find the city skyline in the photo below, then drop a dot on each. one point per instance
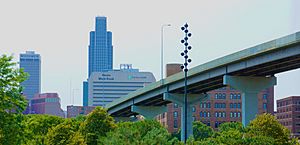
(137, 38)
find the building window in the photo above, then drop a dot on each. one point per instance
(208, 114)
(224, 114)
(208, 105)
(194, 109)
(239, 105)
(223, 105)
(224, 96)
(234, 105)
(265, 106)
(239, 114)
(265, 96)
(204, 114)
(230, 105)
(175, 114)
(231, 115)
(175, 105)
(216, 114)
(204, 105)
(231, 96)
(239, 96)
(175, 124)
(201, 105)
(201, 114)
(216, 124)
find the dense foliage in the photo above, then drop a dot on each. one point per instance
(137, 133)
(11, 101)
(264, 129)
(100, 128)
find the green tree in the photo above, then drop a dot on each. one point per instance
(201, 131)
(11, 101)
(258, 140)
(267, 125)
(231, 126)
(37, 126)
(96, 125)
(139, 133)
(65, 133)
(11, 129)
(230, 137)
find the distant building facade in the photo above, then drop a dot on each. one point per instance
(85, 93)
(288, 113)
(31, 63)
(74, 111)
(100, 48)
(105, 87)
(47, 103)
(223, 105)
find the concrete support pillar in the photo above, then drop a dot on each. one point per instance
(250, 87)
(149, 112)
(192, 100)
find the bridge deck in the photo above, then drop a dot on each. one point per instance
(266, 59)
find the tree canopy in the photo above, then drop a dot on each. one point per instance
(11, 98)
(96, 125)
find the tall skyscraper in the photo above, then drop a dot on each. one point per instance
(100, 52)
(100, 48)
(31, 63)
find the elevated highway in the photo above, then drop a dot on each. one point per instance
(249, 70)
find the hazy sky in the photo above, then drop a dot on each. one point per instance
(59, 31)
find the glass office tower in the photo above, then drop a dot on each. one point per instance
(31, 63)
(100, 48)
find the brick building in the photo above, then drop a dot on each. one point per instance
(223, 105)
(73, 111)
(288, 113)
(47, 103)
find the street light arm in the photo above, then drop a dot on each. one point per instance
(162, 50)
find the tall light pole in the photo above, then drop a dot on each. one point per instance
(162, 50)
(184, 67)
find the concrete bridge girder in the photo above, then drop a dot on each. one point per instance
(149, 112)
(250, 87)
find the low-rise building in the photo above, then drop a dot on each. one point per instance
(46, 103)
(74, 111)
(288, 113)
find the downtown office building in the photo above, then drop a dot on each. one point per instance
(100, 52)
(31, 63)
(100, 48)
(105, 87)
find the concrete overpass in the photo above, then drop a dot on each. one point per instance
(249, 71)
